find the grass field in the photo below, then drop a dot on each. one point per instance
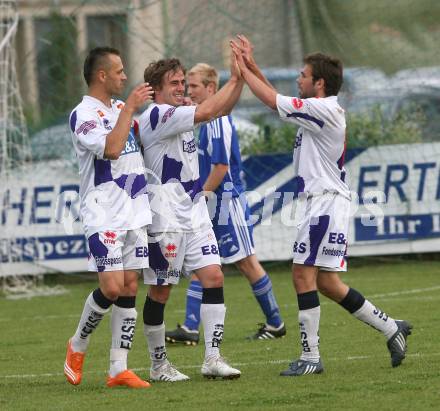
(357, 376)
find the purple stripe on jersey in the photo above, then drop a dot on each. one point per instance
(300, 185)
(341, 164)
(171, 169)
(133, 184)
(343, 176)
(73, 121)
(103, 171)
(192, 187)
(154, 117)
(317, 233)
(157, 260)
(97, 249)
(306, 116)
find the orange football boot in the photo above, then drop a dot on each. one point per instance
(127, 378)
(73, 365)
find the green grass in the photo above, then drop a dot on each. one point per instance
(357, 373)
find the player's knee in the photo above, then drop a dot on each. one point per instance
(331, 285)
(213, 278)
(216, 276)
(131, 288)
(112, 291)
(324, 286)
(245, 266)
(159, 293)
(251, 268)
(242, 265)
(299, 277)
(130, 282)
(304, 278)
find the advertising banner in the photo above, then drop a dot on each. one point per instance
(395, 208)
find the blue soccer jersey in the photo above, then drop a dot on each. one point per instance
(218, 144)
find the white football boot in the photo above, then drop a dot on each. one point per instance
(216, 366)
(167, 373)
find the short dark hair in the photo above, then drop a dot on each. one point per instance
(95, 60)
(328, 68)
(155, 71)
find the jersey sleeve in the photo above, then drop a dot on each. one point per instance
(167, 121)
(221, 141)
(304, 112)
(88, 131)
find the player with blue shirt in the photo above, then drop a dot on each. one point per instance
(181, 239)
(114, 211)
(220, 167)
(323, 203)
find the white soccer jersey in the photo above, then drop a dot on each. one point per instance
(318, 155)
(170, 155)
(113, 192)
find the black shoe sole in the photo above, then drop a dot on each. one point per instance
(229, 377)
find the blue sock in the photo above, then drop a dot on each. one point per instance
(193, 302)
(262, 290)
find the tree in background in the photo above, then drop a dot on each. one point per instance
(389, 35)
(367, 129)
(59, 72)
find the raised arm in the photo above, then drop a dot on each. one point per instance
(247, 51)
(222, 102)
(116, 139)
(262, 91)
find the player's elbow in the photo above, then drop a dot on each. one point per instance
(273, 105)
(225, 112)
(111, 154)
(269, 98)
(222, 168)
(271, 101)
(204, 113)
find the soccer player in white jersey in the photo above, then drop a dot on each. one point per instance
(114, 211)
(181, 236)
(323, 203)
(220, 167)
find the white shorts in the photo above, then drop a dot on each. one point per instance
(322, 232)
(174, 255)
(118, 250)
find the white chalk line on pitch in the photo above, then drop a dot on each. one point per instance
(406, 292)
(179, 311)
(390, 295)
(235, 364)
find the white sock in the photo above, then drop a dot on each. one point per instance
(118, 361)
(123, 323)
(213, 320)
(309, 333)
(90, 318)
(379, 320)
(155, 335)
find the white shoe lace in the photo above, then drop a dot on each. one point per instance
(171, 370)
(219, 362)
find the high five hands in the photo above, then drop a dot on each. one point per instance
(242, 49)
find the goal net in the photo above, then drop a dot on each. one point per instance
(391, 61)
